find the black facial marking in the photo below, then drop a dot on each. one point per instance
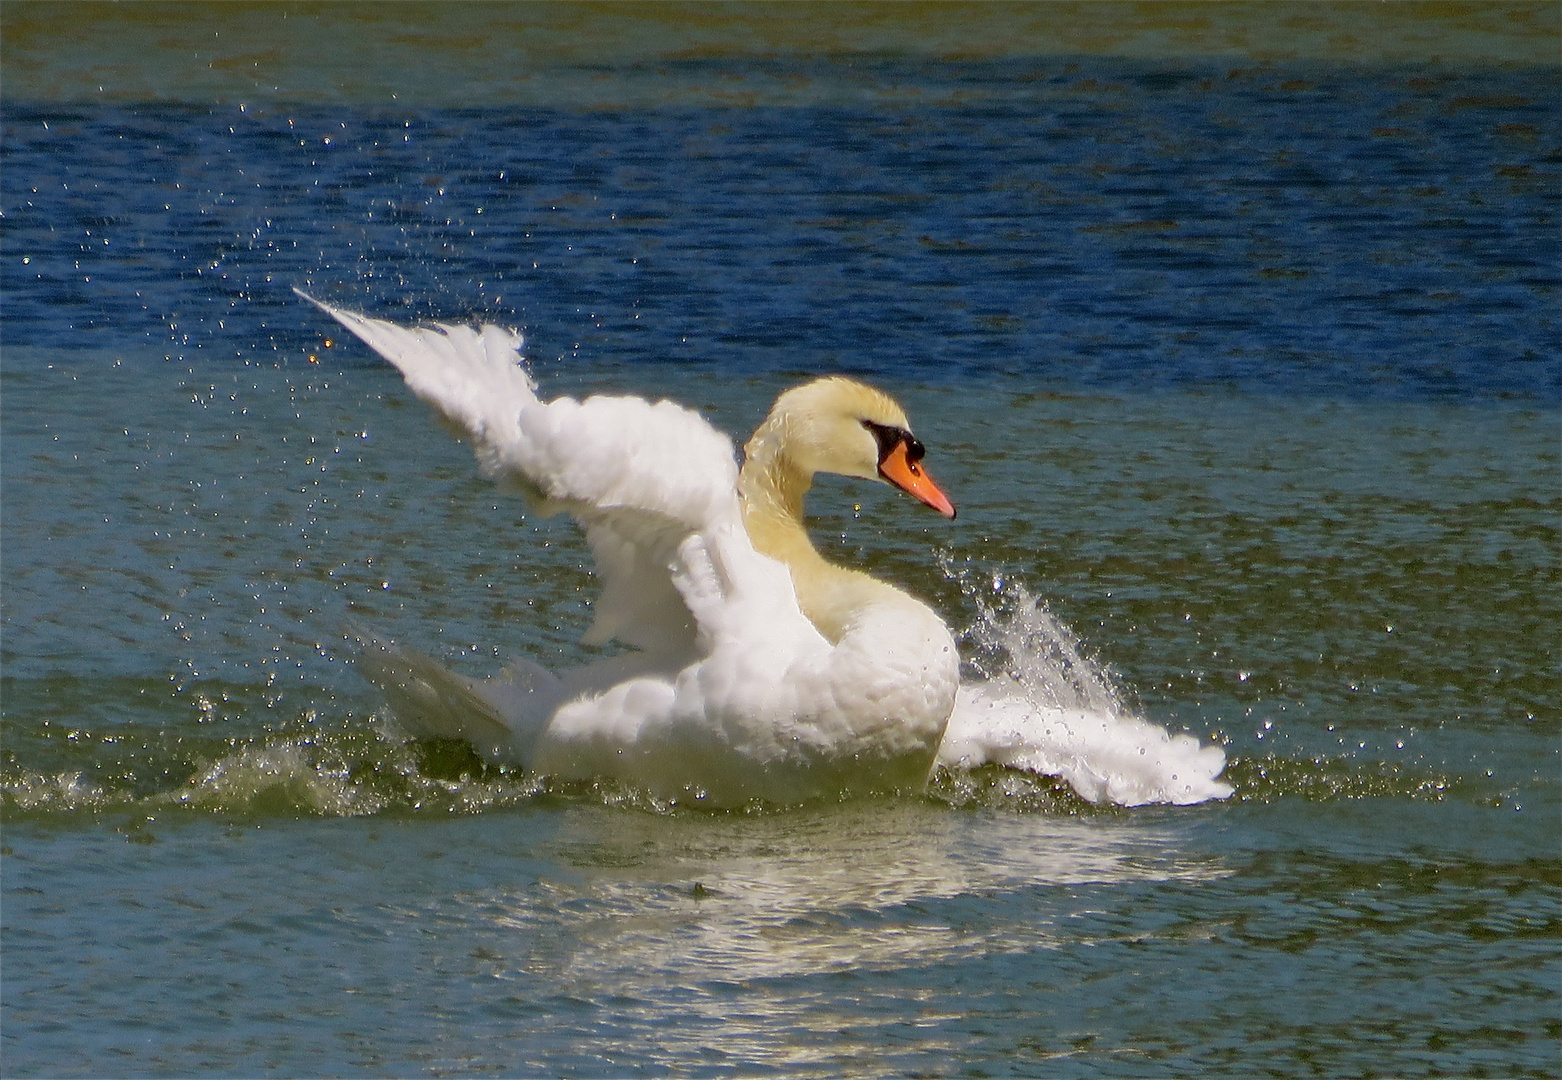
(890, 437)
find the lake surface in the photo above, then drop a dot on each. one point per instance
(1249, 373)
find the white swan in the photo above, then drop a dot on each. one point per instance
(760, 670)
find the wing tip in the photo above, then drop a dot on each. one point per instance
(321, 304)
(515, 338)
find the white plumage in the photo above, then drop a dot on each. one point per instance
(760, 670)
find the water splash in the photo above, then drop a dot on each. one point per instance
(282, 777)
(1038, 705)
(1018, 638)
(343, 773)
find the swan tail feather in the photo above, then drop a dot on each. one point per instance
(430, 700)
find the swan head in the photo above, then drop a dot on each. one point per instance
(842, 426)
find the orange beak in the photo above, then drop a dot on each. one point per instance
(909, 476)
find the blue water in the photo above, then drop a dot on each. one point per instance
(1251, 374)
(1127, 227)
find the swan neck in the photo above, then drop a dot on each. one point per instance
(772, 485)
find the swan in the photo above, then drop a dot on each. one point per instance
(757, 670)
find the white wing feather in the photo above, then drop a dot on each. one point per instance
(638, 476)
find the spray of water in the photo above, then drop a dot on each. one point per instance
(1035, 703)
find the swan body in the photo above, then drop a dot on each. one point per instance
(759, 670)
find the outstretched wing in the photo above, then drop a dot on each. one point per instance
(638, 476)
(473, 377)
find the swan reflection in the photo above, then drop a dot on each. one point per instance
(698, 901)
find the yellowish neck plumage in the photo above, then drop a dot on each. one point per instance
(773, 488)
